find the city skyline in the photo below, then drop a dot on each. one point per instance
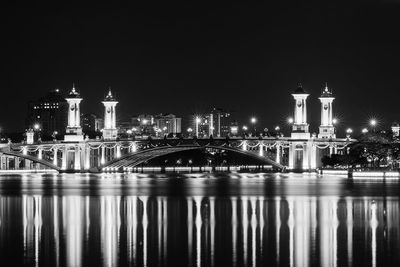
(232, 56)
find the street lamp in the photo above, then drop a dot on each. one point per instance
(253, 121)
(349, 131)
(290, 120)
(364, 131)
(373, 123)
(334, 121)
(198, 120)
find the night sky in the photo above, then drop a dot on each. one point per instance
(185, 59)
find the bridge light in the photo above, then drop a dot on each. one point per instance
(373, 122)
(198, 120)
(349, 131)
(36, 126)
(189, 130)
(253, 120)
(244, 128)
(364, 131)
(334, 121)
(290, 120)
(277, 128)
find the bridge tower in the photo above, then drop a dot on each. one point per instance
(300, 125)
(301, 150)
(326, 130)
(74, 130)
(110, 129)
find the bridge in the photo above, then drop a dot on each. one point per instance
(121, 155)
(301, 151)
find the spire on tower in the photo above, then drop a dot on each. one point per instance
(109, 96)
(326, 92)
(299, 89)
(73, 92)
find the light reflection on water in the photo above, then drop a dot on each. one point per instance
(198, 220)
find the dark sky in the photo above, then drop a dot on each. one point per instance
(188, 58)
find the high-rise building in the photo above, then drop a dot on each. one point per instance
(167, 124)
(219, 122)
(49, 113)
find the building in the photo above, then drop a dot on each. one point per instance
(89, 126)
(217, 123)
(167, 124)
(143, 125)
(49, 113)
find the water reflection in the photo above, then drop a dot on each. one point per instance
(126, 230)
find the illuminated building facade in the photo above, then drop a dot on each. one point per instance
(168, 124)
(49, 112)
(110, 129)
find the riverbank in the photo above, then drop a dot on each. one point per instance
(361, 173)
(42, 171)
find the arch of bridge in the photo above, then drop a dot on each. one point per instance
(139, 157)
(32, 158)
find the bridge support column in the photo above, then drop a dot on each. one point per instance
(313, 156)
(87, 157)
(330, 150)
(25, 150)
(77, 159)
(118, 152)
(55, 157)
(133, 147)
(244, 145)
(261, 149)
(64, 158)
(102, 156)
(40, 153)
(278, 154)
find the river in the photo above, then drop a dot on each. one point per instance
(198, 220)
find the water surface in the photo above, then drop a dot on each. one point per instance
(198, 220)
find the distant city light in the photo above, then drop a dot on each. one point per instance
(373, 122)
(129, 131)
(253, 120)
(364, 131)
(334, 120)
(189, 130)
(198, 120)
(349, 131)
(36, 126)
(144, 121)
(290, 120)
(244, 128)
(277, 128)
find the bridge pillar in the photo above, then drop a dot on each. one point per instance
(102, 156)
(87, 157)
(55, 156)
(64, 158)
(278, 154)
(77, 159)
(25, 150)
(133, 147)
(330, 150)
(244, 145)
(118, 152)
(40, 153)
(261, 149)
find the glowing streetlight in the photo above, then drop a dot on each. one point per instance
(244, 128)
(253, 120)
(290, 120)
(277, 128)
(349, 131)
(373, 122)
(198, 120)
(334, 121)
(36, 126)
(364, 131)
